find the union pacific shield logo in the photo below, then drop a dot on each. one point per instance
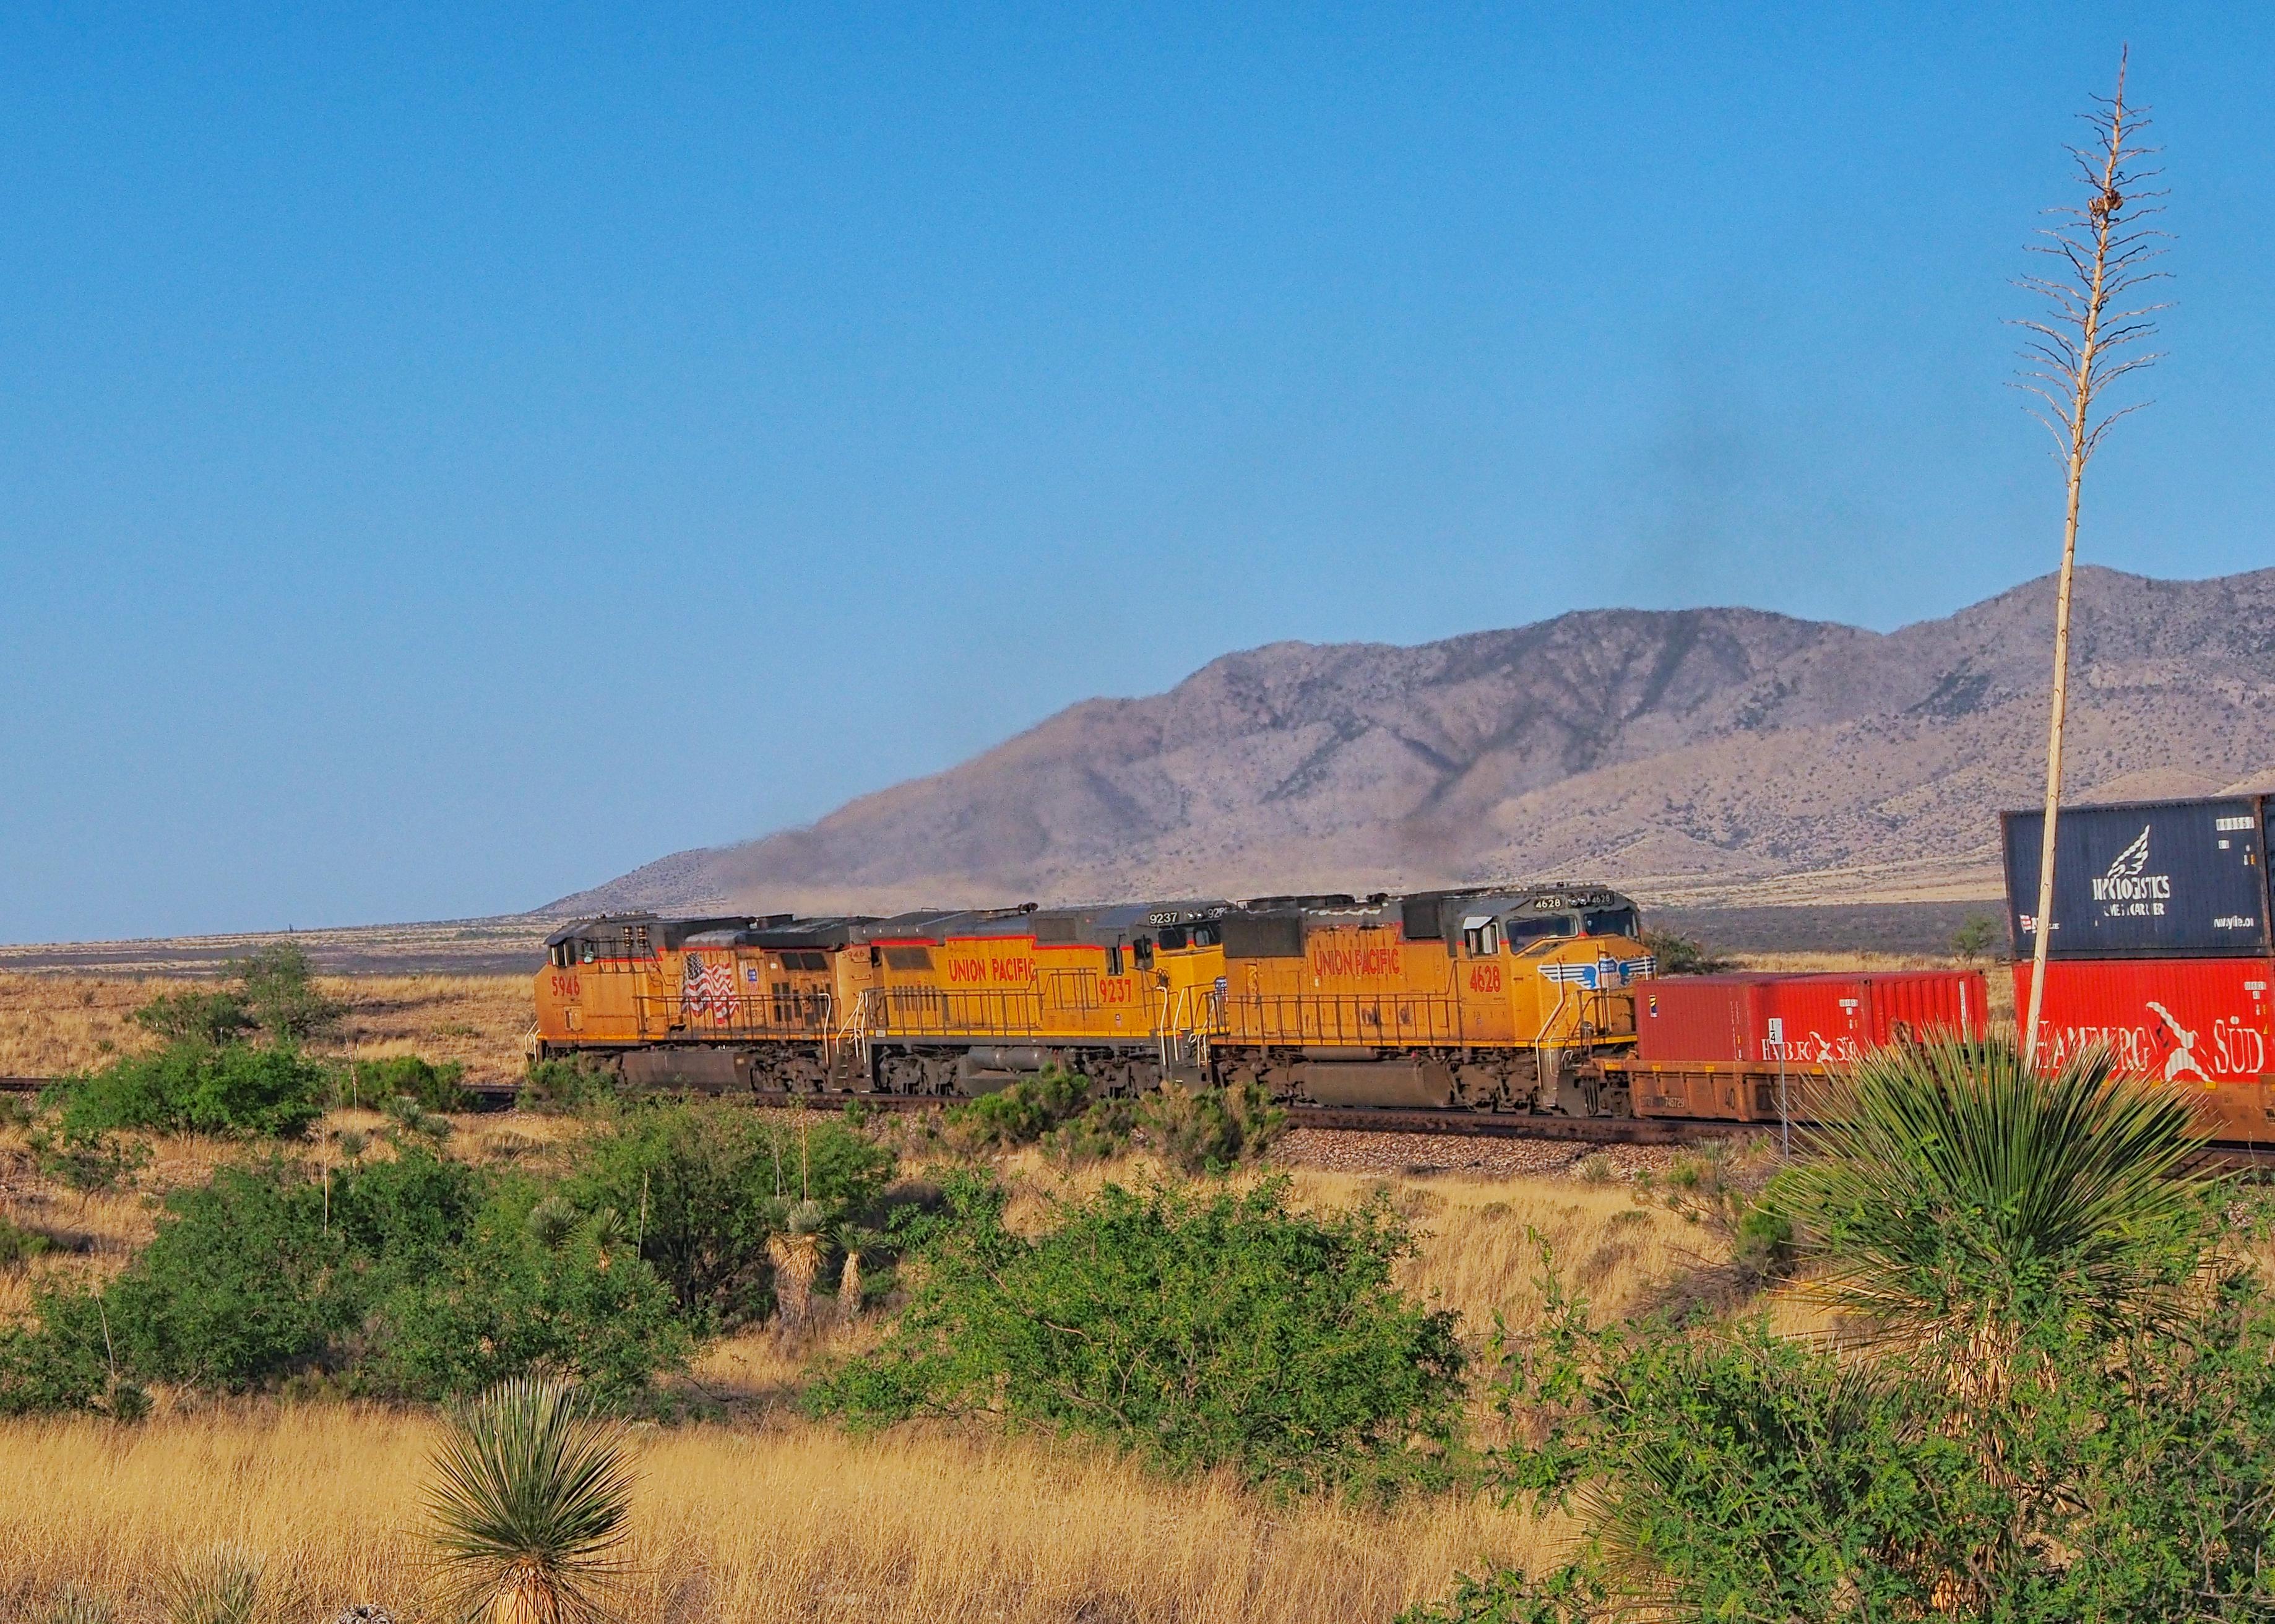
(1604, 972)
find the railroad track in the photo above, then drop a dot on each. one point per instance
(1349, 1119)
(1588, 1131)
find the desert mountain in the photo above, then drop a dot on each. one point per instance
(1695, 755)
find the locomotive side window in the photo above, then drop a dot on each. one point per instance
(1480, 937)
(1142, 950)
(1114, 959)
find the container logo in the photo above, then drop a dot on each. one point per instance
(2125, 892)
(2231, 1048)
(1816, 1049)
(2181, 1062)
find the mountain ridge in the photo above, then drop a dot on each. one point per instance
(1695, 755)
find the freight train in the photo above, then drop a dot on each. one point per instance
(1483, 1000)
(1540, 998)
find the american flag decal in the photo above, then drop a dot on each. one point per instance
(708, 989)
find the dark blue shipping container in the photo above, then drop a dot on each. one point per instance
(2151, 878)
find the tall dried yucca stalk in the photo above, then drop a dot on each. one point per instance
(2077, 348)
(529, 1506)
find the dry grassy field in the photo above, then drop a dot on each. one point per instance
(768, 1515)
(771, 1516)
(776, 1521)
(765, 1514)
(52, 1023)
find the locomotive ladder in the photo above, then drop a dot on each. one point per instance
(1184, 1030)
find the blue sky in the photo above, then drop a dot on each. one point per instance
(451, 457)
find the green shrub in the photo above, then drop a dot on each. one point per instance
(1976, 937)
(570, 1083)
(421, 1278)
(1212, 1130)
(1570, 1595)
(1225, 1331)
(1683, 955)
(1762, 1246)
(2123, 1474)
(1100, 1134)
(702, 1185)
(59, 1360)
(211, 1018)
(1019, 1114)
(502, 1304)
(243, 1284)
(401, 1219)
(409, 1076)
(278, 987)
(193, 1087)
(91, 1163)
(19, 1245)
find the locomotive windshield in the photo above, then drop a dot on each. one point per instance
(1610, 922)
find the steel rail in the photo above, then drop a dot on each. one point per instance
(2220, 1155)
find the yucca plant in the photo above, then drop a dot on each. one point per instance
(1961, 1203)
(796, 1254)
(220, 1586)
(73, 1606)
(529, 1504)
(854, 1241)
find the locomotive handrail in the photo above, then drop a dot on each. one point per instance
(757, 1014)
(1377, 1020)
(931, 1012)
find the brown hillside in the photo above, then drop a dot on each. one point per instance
(1695, 755)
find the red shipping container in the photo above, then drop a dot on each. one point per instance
(1766, 1021)
(1831, 1020)
(1692, 1020)
(2202, 1021)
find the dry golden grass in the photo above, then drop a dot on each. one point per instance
(777, 1518)
(51, 1024)
(55, 1024)
(792, 1521)
(481, 1020)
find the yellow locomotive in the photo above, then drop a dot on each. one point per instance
(1487, 999)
